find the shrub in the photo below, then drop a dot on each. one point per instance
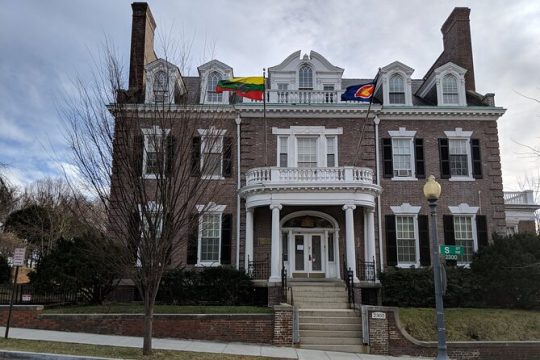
(509, 271)
(212, 285)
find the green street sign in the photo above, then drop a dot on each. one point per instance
(451, 252)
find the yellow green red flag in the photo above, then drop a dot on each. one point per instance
(251, 87)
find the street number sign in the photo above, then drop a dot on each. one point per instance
(451, 252)
(18, 256)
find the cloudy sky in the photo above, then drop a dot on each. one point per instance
(44, 45)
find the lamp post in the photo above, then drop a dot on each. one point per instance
(432, 191)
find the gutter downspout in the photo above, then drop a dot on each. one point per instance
(376, 120)
(238, 185)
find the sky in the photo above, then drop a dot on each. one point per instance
(46, 45)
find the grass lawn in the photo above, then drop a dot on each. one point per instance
(112, 352)
(473, 324)
(158, 309)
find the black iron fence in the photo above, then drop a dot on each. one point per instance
(259, 269)
(25, 294)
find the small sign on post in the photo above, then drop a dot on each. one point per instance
(18, 261)
(451, 252)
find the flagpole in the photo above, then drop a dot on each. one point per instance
(264, 119)
(361, 138)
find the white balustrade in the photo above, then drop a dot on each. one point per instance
(519, 197)
(304, 96)
(333, 175)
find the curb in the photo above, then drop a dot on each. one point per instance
(23, 355)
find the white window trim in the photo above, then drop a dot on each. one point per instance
(407, 209)
(405, 134)
(204, 133)
(204, 83)
(147, 132)
(405, 71)
(459, 134)
(459, 73)
(152, 206)
(470, 211)
(294, 132)
(209, 209)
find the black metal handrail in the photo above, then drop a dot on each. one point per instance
(283, 283)
(365, 271)
(258, 269)
(349, 282)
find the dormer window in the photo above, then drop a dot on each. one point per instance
(211, 95)
(305, 78)
(160, 86)
(397, 89)
(450, 90)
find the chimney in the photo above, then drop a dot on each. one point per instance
(456, 32)
(142, 47)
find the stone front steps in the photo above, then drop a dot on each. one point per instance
(326, 322)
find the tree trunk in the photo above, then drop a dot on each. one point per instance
(148, 317)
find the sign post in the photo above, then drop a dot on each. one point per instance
(18, 261)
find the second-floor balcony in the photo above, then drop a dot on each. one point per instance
(519, 197)
(317, 175)
(301, 97)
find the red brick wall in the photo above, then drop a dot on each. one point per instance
(283, 325)
(386, 338)
(255, 328)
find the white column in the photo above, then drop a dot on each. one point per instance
(370, 235)
(249, 237)
(349, 239)
(275, 275)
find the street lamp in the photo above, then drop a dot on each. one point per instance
(432, 191)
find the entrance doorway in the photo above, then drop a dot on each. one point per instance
(308, 255)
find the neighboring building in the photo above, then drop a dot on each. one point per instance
(520, 210)
(327, 185)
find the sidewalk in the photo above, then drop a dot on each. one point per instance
(192, 345)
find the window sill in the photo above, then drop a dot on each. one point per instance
(461, 178)
(408, 266)
(152, 176)
(208, 264)
(212, 177)
(404, 179)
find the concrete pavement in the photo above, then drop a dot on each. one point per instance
(193, 345)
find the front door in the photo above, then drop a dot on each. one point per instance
(308, 255)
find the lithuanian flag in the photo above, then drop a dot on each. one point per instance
(251, 87)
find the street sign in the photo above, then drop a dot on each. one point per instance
(18, 256)
(451, 252)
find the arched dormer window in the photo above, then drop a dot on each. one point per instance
(211, 95)
(450, 90)
(397, 89)
(161, 85)
(305, 78)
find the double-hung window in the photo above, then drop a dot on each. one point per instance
(307, 152)
(463, 232)
(397, 89)
(459, 157)
(450, 90)
(402, 149)
(331, 151)
(406, 240)
(212, 81)
(283, 151)
(154, 151)
(212, 152)
(210, 238)
(403, 155)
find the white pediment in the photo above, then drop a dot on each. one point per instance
(397, 66)
(215, 65)
(450, 67)
(295, 60)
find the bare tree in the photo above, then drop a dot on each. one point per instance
(149, 163)
(8, 195)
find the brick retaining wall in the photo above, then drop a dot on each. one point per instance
(254, 328)
(387, 337)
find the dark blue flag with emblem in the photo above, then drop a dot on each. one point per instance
(361, 92)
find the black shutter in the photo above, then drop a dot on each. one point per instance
(419, 158)
(481, 231)
(196, 156)
(193, 240)
(391, 246)
(388, 171)
(171, 146)
(226, 238)
(476, 159)
(227, 156)
(423, 234)
(138, 151)
(444, 158)
(449, 236)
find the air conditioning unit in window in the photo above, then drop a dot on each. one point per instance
(403, 173)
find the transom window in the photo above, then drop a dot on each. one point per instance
(406, 240)
(458, 156)
(305, 78)
(397, 89)
(463, 233)
(402, 157)
(450, 90)
(210, 238)
(307, 152)
(211, 95)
